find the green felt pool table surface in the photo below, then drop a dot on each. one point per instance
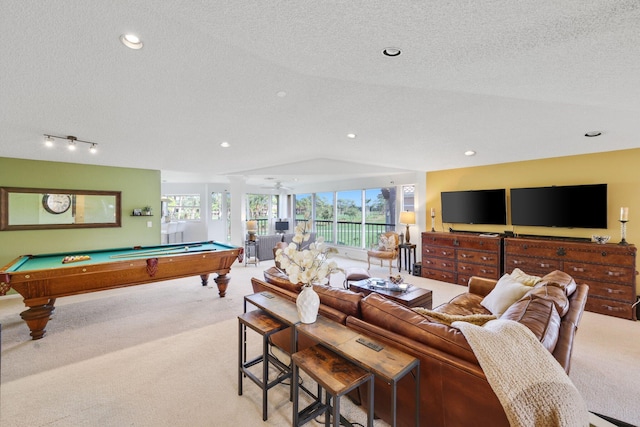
(47, 261)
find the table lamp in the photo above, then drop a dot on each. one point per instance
(407, 218)
(252, 229)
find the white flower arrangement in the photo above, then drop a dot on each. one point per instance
(307, 265)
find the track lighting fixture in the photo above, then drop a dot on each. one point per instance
(72, 142)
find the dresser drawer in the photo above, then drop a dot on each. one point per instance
(445, 276)
(439, 239)
(438, 251)
(529, 265)
(488, 271)
(614, 291)
(479, 243)
(477, 257)
(608, 273)
(609, 307)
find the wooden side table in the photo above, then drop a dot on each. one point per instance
(408, 249)
(251, 252)
(335, 375)
(385, 362)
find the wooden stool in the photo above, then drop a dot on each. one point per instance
(336, 375)
(265, 325)
(355, 274)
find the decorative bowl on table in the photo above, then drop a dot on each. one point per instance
(601, 240)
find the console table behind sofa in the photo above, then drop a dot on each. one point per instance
(266, 243)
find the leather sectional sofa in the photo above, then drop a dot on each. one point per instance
(454, 389)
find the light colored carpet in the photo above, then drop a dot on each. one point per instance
(165, 354)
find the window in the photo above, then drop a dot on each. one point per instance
(349, 205)
(182, 207)
(304, 208)
(262, 208)
(324, 216)
(216, 206)
(351, 218)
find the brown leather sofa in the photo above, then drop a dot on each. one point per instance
(453, 388)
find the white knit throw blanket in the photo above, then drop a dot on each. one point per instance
(530, 384)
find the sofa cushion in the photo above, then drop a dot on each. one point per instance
(447, 319)
(402, 320)
(552, 293)
(279, 278)
(561, 280)
(343, 300)
(463, 305)
(506, 292)
(540, 316)
(524, 278)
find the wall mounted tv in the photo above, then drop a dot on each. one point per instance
(474, 207)
(571, 206)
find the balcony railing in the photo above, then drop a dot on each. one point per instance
(351, 233)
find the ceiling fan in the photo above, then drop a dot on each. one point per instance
(278, 187)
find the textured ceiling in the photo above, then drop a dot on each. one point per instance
(512, 80)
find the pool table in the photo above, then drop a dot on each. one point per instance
(40, 279)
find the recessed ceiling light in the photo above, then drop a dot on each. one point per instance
(131, 41)
(469, 153)
(351, 135)
(281, 94)
(225, 144)
(391, 51)
(593, 133)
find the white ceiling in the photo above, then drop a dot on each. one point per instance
(510, 79)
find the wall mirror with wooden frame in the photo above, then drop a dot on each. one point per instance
(48, 208)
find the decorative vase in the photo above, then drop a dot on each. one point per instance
(308, 303)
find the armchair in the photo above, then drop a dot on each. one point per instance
(386, 249)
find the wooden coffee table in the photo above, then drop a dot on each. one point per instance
(412, 297)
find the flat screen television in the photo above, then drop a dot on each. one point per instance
(282, 226)
(571, 206)
(474, 207)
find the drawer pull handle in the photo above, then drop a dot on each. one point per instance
(463, 267)
(483, 271)
(610, 308)
(579, 270)
(486, 258)
(516, 262)
(613, 291)
(467, 256)
(614, 273)
(543, 265)
(445, 253)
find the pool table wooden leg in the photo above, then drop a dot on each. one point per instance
(37, 317)
(222, 281)
(205, 279)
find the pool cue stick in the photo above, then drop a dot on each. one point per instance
(156, 251)
(166, 253)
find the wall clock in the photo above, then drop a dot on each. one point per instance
(56, 203)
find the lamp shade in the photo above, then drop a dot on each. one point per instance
(252, 225)
(407, 217)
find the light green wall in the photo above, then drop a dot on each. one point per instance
(138, 187)
(620, 170)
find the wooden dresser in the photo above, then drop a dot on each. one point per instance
(609, 270)
(454, 257)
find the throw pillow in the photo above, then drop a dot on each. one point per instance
(524, 278)
(506, 292)
(386, 243)
(447, 319)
